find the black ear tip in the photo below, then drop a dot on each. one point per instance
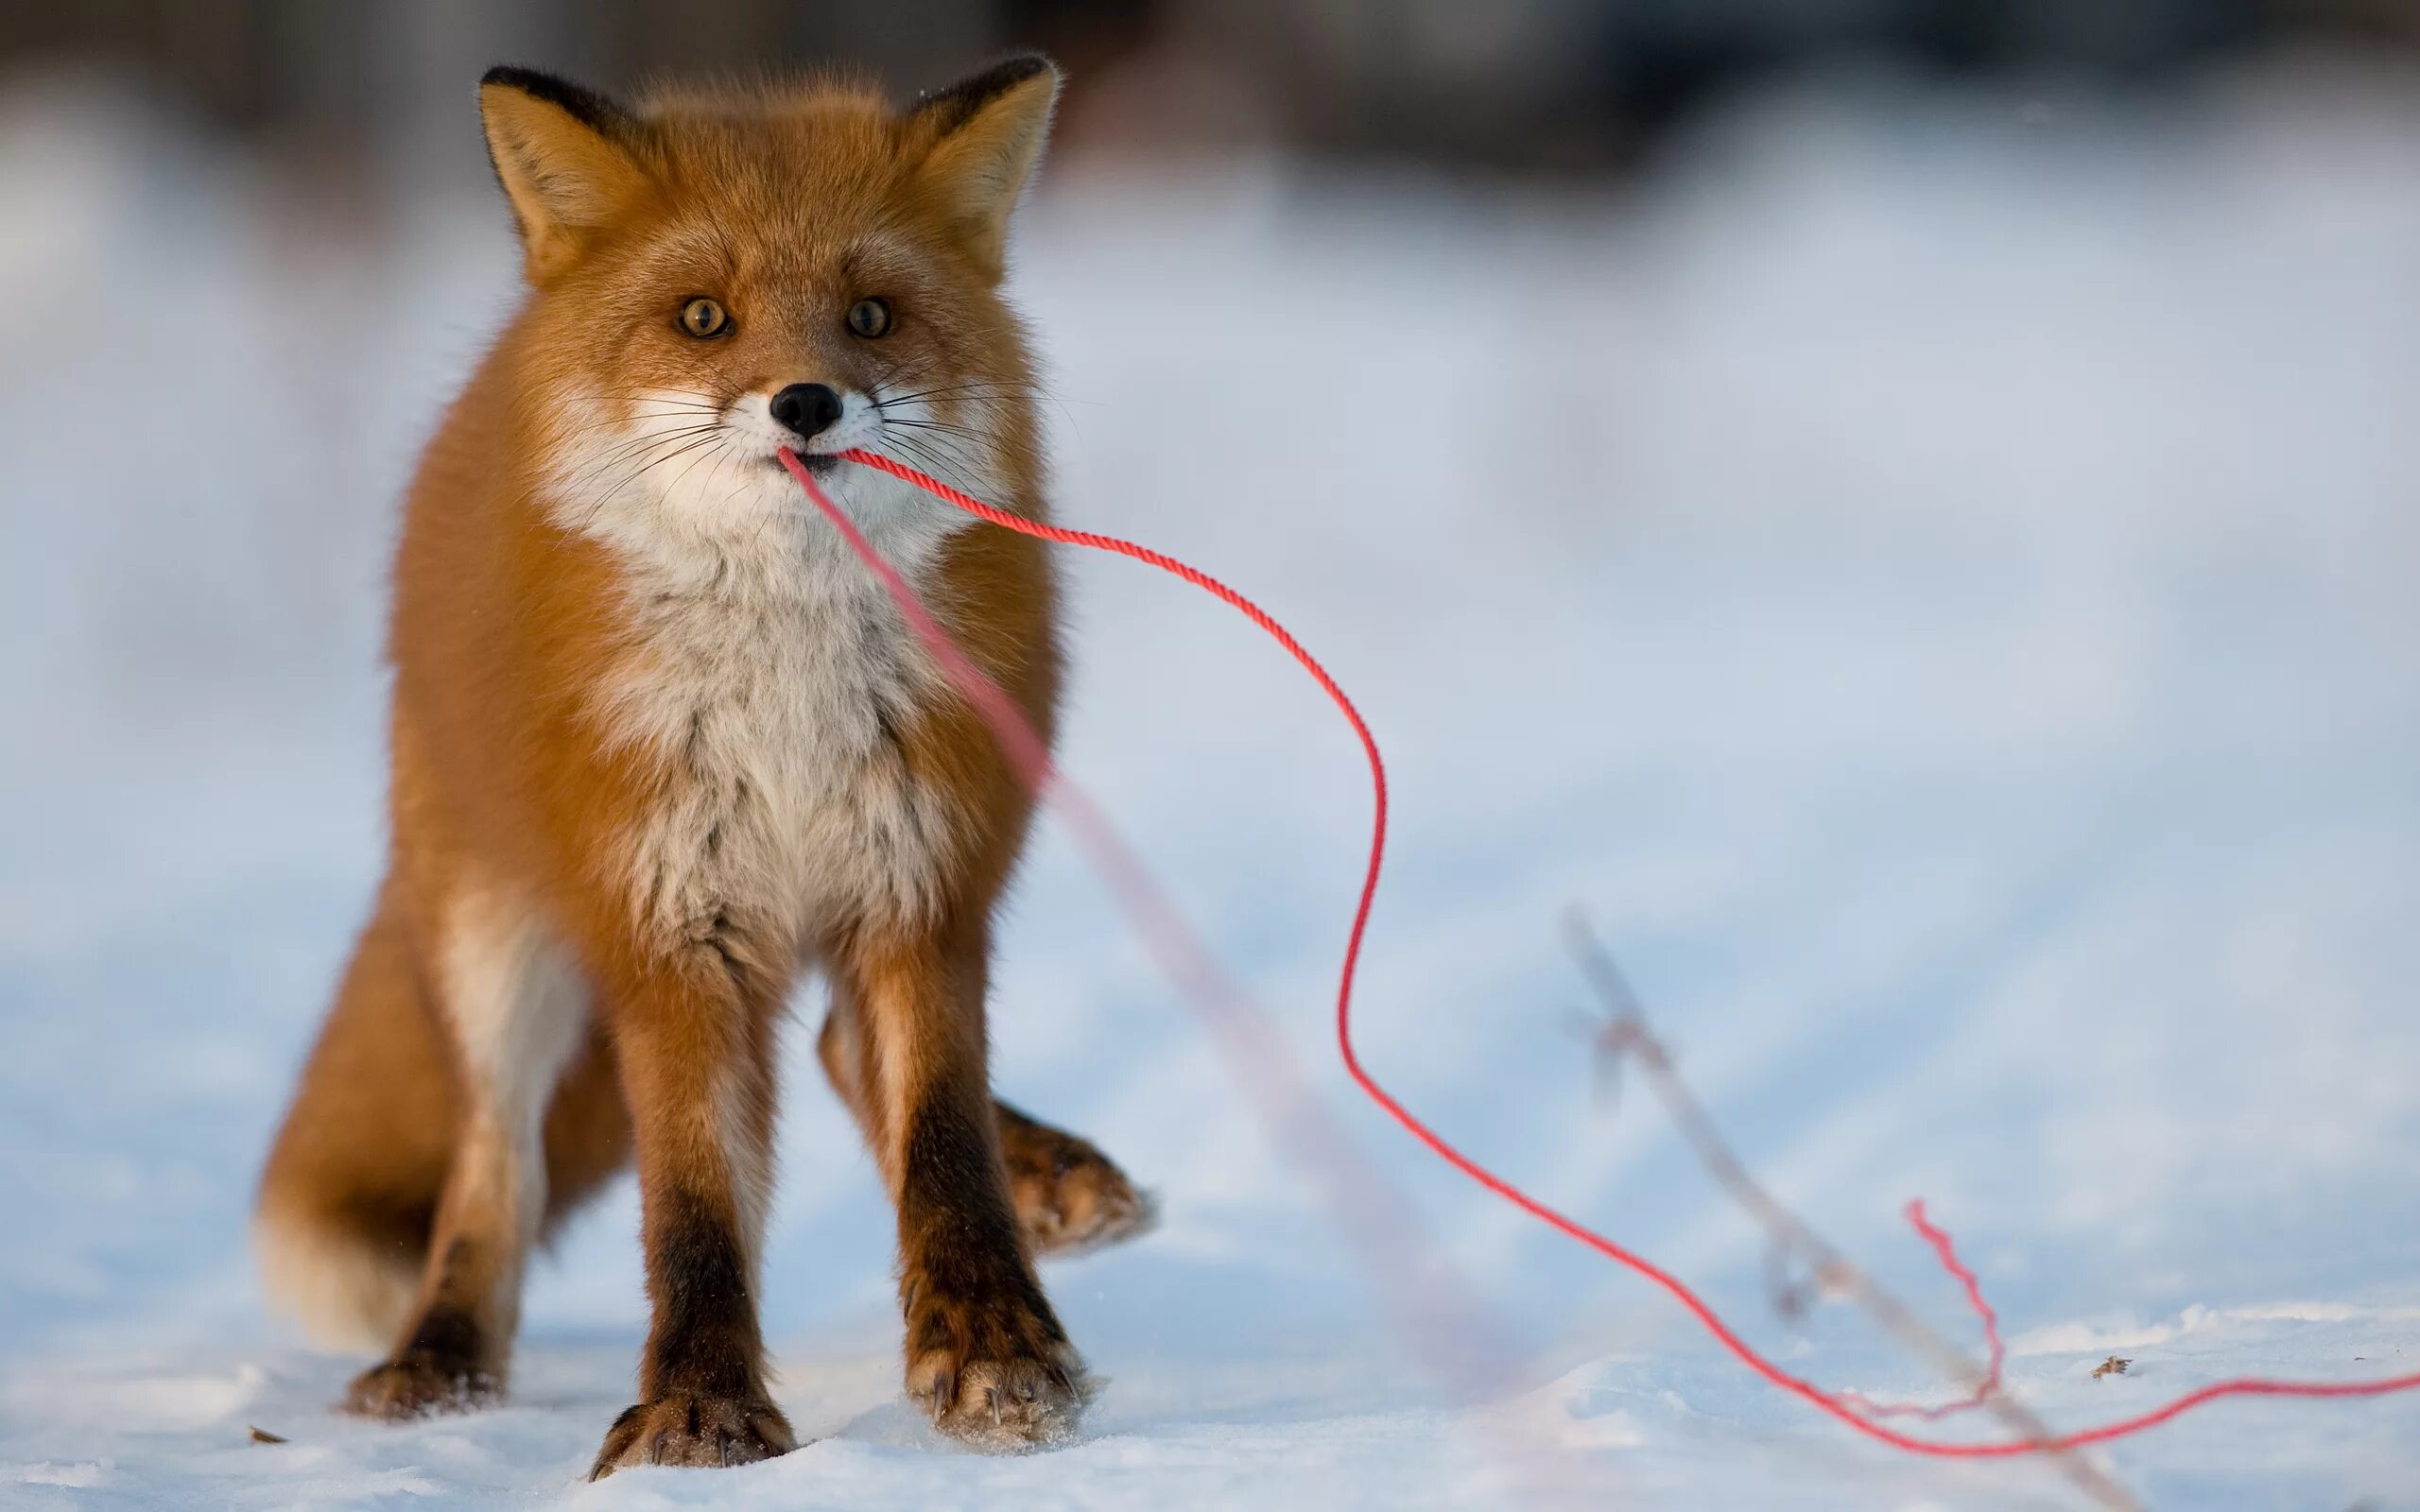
(583, 105)
(958, 101)
(1018, 67)
(527, 80)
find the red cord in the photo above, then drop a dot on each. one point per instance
(1028, 754)
(1946, 1252)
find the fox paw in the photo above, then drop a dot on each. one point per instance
(1069, 1196)
(999, 1379)
(694, 1431)
(419, 1385)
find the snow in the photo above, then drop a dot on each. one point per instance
(1934, 576)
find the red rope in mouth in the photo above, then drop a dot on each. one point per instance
(1030, 755)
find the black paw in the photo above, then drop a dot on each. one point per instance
(694, 1431)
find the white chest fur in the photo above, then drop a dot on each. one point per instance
(769, 679)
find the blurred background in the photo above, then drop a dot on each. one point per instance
(1575, 89)
(1905, 509)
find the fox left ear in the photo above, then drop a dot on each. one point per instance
(987, 133)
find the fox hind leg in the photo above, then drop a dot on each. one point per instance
(517, 1014)
(1069, 1196)
(359, 1176)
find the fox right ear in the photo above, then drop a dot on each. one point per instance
(559, 151)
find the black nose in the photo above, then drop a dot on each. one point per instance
(807, 408)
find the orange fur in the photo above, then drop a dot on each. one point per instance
(656, 751)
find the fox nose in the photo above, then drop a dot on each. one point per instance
(810, 409)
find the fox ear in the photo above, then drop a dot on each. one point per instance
(987, 133)
(559, 151)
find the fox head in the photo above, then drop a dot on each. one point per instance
(716, 275)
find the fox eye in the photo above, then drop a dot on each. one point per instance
(703, 319)
(870, 318)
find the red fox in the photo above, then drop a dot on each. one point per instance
(660, 748)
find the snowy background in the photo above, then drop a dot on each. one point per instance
(1937, 577)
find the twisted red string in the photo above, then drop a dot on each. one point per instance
(1443, 1323)
(1028, 754)
(1945, 1251)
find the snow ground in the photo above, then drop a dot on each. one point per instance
(1936, 579)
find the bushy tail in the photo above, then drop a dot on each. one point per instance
(351, 1189)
